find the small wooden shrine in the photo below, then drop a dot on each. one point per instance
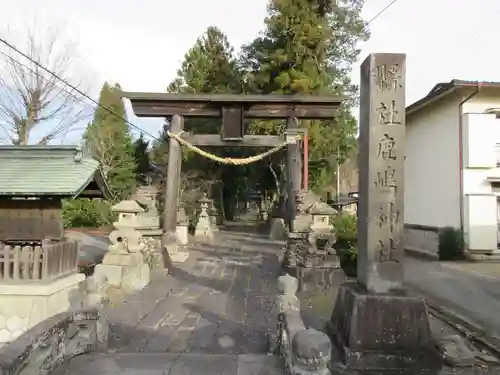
(33, 182)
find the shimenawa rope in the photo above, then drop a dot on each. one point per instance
(227, 160)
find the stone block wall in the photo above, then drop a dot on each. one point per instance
(422, 240)
(22, 306)
(52, 342)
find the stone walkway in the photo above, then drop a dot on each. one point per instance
(172, 364)
(220, 301)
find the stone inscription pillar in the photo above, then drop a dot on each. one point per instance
(377, 324)
(381, 173)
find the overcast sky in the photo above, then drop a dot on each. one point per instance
(140, 43)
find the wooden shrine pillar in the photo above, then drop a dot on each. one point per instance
(293, 170)
(172, 186)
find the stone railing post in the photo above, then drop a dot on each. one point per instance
(124, 265)
(303, 351)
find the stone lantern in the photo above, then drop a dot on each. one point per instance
(128, 212)
(310, 244)
(321, 235)
(124, 265)
(203, 228)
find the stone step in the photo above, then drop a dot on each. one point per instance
(171, 363)
(489, 258)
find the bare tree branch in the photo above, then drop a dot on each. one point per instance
(32, 100)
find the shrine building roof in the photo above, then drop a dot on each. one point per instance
(64, 171)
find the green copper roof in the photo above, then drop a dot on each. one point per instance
(48, 170)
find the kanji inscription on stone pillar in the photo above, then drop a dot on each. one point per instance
(381, 173)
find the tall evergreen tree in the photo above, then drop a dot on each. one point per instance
(141, 157)
(209, 67)
(309, 47)
(108, 136)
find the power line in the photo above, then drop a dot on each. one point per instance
(11, 46)
(381, 12)
(34, 74)
(54, 75)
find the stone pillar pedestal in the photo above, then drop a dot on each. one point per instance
(383, 331)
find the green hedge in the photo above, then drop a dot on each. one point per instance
(346, 228)
(451, 244)
(89, 213)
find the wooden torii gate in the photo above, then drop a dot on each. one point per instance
(233, 110)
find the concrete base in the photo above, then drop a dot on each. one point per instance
(179, 256)
(182, 232)
(125, 271)
(203, 233)
(476, 256)
(313, 278)
(177, 253)
(383, 332)
(22, 306)
(157, 260)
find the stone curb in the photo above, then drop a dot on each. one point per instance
(96, 232)
(464, 325)
(54, 341)
(420, 254)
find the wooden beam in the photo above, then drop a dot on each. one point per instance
(253, 106)
(248, 140)
(233, 98)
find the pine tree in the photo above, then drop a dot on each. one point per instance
(141, 157)
(108, 136)
(209, 67)
(309, 47)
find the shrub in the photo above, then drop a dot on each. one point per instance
(346, 229)
(90, 213)
(451, 244)
(349, 261)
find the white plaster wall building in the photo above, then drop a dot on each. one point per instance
(452, 177)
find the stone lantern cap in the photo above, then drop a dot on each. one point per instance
(204, 199)
(143, 201)
(127, 206)
(321, 208)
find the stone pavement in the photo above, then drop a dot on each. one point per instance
(459, 288)
(220, 301)
(172, 364)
